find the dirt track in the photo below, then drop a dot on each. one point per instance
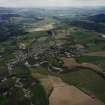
(71, 63)
(101, 53)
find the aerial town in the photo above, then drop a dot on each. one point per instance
(49, 57)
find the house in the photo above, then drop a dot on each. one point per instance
(80, 48)
(22, 46)
(55, 69)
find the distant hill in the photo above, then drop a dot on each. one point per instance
(8, 30)
(89, 25)
(93, 23)
(100, 18)
(7, 16)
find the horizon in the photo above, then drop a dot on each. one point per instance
(54, 7)
(51, 3)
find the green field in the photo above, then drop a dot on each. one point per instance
(87, 81)
(84, 79)
(30, 37)
(84, 36)
(99, 61)
(39, 96)
(90, 59)
(88, 39)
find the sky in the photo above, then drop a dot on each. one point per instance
(50, 3)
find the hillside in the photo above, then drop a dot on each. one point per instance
(100, 18)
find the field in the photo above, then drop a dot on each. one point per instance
(30, 37)
(88, 39)
(86, 80)
(98, 60)
(64, 94)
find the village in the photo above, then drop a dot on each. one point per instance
(57, 53)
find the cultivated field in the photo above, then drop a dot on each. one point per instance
(63, 94)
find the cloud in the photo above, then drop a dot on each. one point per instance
(36, 3)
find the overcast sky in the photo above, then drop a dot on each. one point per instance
(50, 3)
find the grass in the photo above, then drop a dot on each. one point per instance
(39, 72)
(7, 58)
(7, 50)
(3, 101)
(30, 37)
(21, 71)
(99, 61)
(88, 39)
(84, 36)
(96, 47)
(90, 59)
(86, 80)
(39, 96)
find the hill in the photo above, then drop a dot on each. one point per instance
(98, 18)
